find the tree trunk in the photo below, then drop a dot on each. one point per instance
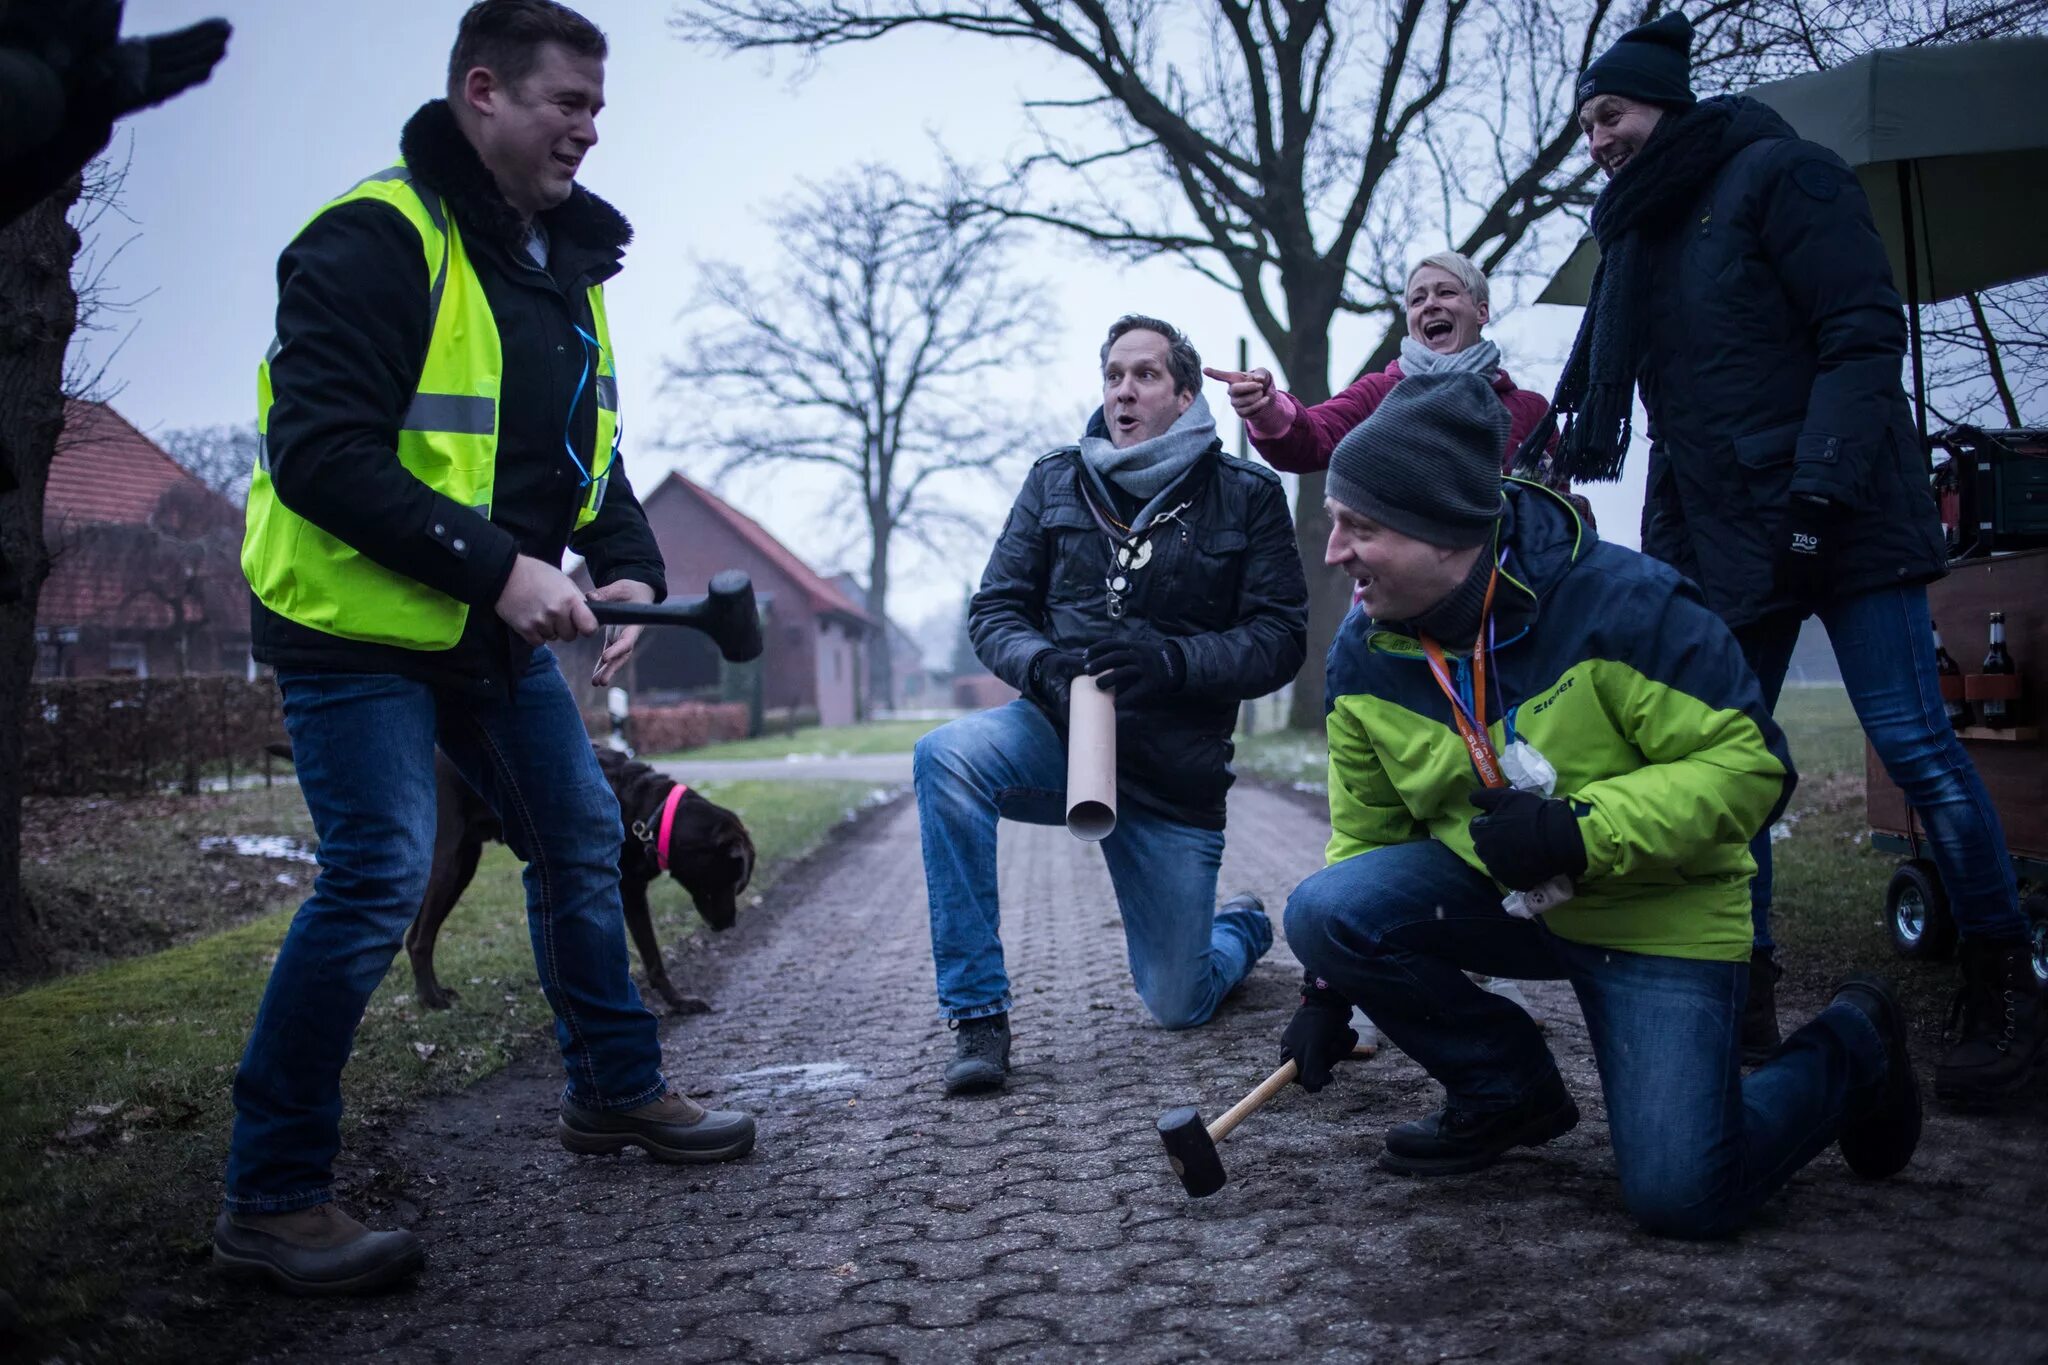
(38, 312)
(1329, 591)
(881, 667)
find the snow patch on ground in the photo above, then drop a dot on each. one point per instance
(259, 846)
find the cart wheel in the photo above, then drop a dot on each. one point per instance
(2036, 908)
(1916, 909)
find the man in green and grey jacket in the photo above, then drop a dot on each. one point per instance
(1547, 760)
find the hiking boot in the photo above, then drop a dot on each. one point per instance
(314, 1251)
(1999, 1021)
(1453, 1141)
(1882, 1127)
(1760, 1036)
(981, 1054)
(673, 1128)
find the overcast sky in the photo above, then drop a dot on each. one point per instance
(694, 148)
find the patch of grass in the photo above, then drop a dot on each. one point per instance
(1828, 918)
(789, 819)
(1823, 731)
(1286, 757)
(111, 877)
(114, 1083)
(838, 741)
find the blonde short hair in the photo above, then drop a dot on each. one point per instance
(1459, 267)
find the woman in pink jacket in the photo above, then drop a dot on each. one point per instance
(1447, 306)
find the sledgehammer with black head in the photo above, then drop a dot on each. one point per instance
(726, 613)
(1192, 1148)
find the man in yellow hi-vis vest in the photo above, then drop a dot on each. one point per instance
(440, 420)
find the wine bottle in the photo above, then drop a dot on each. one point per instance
(1951, 692)
(1997, 711)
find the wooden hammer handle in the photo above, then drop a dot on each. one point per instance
(1267, 1089)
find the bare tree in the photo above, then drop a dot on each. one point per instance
(1296, 152)
(221, 457)
(873, 353)
(180, 570)
(1813, 35)
(54, 261)
(1986, 353)
(38, 313)
(1987, 356)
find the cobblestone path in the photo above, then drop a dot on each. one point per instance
(879, 1221)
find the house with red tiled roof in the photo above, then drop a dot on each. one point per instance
(145, 573)
(814, 637)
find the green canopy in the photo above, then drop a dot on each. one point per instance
(1957, 133)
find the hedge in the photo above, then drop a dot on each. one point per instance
(95, 736)
(665, 729)
(106, 736)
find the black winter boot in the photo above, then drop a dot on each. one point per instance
(1453, 1141)
(1760, 1036)
(981, 1054)
(1999, 1021)
(1882, 1126)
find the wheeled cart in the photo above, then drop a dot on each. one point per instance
(2013, 762)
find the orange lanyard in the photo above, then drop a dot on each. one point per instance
(1471, 724)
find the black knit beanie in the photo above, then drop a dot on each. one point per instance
(1651, 63)
(1427, 462)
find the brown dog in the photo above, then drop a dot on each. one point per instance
(709, 853)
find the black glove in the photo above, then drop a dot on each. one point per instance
(65, 34)
(1052, 678)
(1137, 668)
(1525, 839)
(1805, 547)
(1319, 1034)
(139, 72)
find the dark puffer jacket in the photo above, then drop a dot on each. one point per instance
(1773, 367)
(1224, 580)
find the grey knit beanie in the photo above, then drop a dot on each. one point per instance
(1427, 461)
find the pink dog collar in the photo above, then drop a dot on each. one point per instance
(668, 821)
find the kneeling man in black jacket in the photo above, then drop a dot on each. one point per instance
(1148, 559)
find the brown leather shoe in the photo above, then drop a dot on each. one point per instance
(314, 1251)
(672, 1128)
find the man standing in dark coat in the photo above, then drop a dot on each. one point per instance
(1743, 283)
(439, 421)
(1149, 560)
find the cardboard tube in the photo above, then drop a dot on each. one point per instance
(1091, 760)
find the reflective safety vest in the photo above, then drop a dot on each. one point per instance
(448, 439)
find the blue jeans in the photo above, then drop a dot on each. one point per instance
(1011, 763)
(364, 748)
(1698, 1146)
(1885, 646)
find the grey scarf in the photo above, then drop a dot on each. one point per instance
(1149, 469)
(1481, 358)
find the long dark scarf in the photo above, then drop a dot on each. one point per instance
(1597, 389)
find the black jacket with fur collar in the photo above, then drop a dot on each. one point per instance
(352, 337)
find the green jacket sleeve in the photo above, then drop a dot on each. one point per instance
(1715, 768)
(1365, 811)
